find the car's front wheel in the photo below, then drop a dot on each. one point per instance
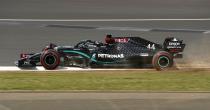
(50, 59)
(162, 60)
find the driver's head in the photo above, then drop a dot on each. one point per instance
(108, 36)
(109, 39)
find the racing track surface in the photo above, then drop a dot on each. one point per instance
(17, 37)
(28, 36)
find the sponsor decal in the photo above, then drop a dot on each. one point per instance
(111, 56)
(121, 40)
(174, 47)
(93, 56)
(174, 43)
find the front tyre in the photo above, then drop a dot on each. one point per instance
(50, 59)
(162, 60)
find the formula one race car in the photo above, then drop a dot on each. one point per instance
(115, 52)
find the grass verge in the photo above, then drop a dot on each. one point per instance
(181, 80)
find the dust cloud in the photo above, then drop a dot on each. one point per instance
(197, 53)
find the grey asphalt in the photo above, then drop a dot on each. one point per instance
(104, 101)
(18, 37)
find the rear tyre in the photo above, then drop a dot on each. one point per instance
(162, 60)
(50, 59)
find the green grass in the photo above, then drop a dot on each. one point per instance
(188, 80)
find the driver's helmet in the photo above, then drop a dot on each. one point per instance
(109, 39)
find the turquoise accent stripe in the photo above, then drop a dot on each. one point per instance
(87, 56)
(77, 52)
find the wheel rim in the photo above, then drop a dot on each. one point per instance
(163, 61)
(50, 59)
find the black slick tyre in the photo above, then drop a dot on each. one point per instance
(162, 60)
(50, 59)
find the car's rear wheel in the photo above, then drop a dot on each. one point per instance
(162, 60)
(50, 59)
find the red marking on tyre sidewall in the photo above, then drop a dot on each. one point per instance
(48, 53)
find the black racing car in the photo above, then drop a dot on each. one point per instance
(116, 52)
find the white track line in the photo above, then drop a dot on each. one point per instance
(91, 20)
(40, 68)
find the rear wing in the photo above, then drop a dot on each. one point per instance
(174, 46)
